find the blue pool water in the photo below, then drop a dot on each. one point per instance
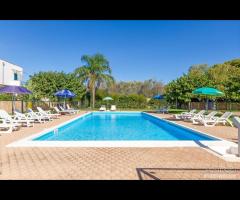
(121, 126)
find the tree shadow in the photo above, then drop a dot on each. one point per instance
(205, 147)
(151, 173)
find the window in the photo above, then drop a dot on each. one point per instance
(15, 76)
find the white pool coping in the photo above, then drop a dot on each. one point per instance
(217, 147)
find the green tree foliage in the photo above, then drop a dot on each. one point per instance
(232, 86)
(197, 74)
(180, 90)
(45, 84)
(224, 77)
(5, 97)
(131, 101)
(147, 88)
(234, 62)
(94, 73)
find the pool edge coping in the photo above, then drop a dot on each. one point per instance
(27, 142)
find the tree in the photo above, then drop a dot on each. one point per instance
(232, 86)
(45, 84)
(95, 72)
(148, 88)
(180, 90)
(224, 77)
(219, 75)
(234, 62)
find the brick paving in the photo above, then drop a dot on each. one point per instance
(113, 163)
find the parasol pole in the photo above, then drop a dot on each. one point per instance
(65, 101)
(12, 104)
(207, 104)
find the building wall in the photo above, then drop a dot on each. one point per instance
(7, 71)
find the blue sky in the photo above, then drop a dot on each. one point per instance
(136, 49)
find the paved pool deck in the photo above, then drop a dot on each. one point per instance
(64, 163)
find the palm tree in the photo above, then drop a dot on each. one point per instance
(95, 72)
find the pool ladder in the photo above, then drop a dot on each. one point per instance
(55, 131)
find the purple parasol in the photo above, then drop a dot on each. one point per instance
(14, 90)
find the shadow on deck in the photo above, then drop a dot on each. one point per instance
(185, 173)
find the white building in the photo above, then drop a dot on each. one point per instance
(10, 74)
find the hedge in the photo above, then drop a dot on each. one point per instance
(132, 101)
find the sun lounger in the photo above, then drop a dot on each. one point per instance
(102, 108)
(38, 116)
(15, 120)
(7, 127)
(184, 114)
(60, 111)
(209, 122)
(20, 116)
(69, 108)
(48, 113)
(67, 111)
(7, 119)
(198, 118)
(113, 108)
(188, 117)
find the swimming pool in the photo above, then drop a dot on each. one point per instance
(123, 129)
(121, 126)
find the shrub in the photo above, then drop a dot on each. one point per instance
(132, 101)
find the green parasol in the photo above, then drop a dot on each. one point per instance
(207, 91)
(107, 99)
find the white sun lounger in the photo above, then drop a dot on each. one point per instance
(60, 111)
(210, 122)
(38, 116)
(69, 108)
(15, 120)
(102, 108)
(188, 117)
(197, 118)
(8, 127)
(113, 108)
(20, 116)
(48, 113)
(183, 114)
(67, 111)
(7, 119)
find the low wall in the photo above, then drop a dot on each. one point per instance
(23, 105)
(7, 105)
(219, 106)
